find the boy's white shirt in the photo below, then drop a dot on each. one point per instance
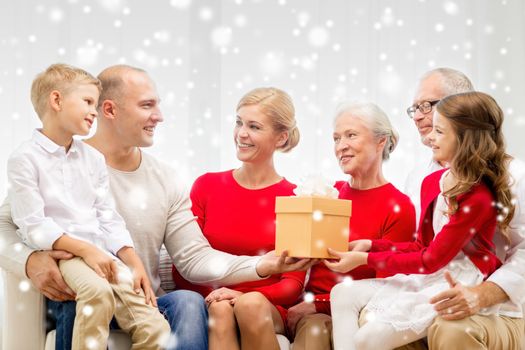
(52, 193)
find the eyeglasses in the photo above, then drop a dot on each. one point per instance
(424, 107)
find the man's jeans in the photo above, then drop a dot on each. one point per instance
(185, 311)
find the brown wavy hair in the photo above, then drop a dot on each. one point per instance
(480, 157)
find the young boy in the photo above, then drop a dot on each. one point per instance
(60, 200)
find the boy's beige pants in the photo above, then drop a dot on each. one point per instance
(97, 302)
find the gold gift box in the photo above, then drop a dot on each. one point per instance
(307, 226)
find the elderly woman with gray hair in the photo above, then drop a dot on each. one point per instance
(363, 139)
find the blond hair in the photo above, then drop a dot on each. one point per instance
(60, 77)
(277, 105)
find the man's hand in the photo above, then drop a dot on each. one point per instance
(295, 313)
(42, 270)
(457, 302)
(271, 264)
(141, 281)
(347, 260)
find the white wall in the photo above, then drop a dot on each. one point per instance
(205, 54)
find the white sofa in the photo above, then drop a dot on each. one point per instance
(24, 320)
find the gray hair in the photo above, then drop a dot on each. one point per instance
(377, 121)
(452, 81)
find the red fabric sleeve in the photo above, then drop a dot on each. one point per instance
(197, 202)
(403, 226)
(474, 211)
(400, 230)
(285, 292)
(381, 245)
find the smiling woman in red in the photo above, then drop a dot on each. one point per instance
(236, 212)
(363, 139)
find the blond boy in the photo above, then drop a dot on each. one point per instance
(58, 190)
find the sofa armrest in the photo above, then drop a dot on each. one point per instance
(23, 315)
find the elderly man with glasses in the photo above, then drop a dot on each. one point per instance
(459, 326)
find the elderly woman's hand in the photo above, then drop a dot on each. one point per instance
(347, 260)
(360, 245)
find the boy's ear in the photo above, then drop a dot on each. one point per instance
(108, 109)
(55, 100)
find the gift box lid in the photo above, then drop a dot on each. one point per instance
(339, 207)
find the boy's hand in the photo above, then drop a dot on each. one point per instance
(347, 261)
(102, 264)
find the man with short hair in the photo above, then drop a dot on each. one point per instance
(157, 212)
(461, 324)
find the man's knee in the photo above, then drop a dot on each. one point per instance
(445, 335)
(183, 301)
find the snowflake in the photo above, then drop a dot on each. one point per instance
(180, 4)
(318, 36)
(56, 15)
(240, 20)
(347, 280)
(24, 286)
(439, 27)
(303, 18)
(205, 14)
(388, 17)
(272, 63)
(170, 341)
(87, 54)
(162, 36)
(91, 343)
(451, 8)
(308, 297)
(87, 310)
(397, 208)
(221, 36)
(315, 331)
